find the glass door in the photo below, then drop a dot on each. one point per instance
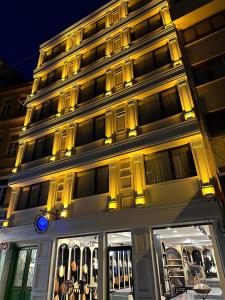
(21, 274)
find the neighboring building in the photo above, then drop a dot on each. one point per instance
(12, 115)
(114, 150)
(9, 76)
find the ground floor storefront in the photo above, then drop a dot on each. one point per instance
(138, 254)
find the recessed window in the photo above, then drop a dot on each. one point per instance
(92, 89)
(93, 55)
(50, 78)
(45, 110)
(94, 28)
(55, 51)
(135, 4)
(13, 146)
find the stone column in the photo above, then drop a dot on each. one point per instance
(144, 268)
(109, 126)
(74, 94)
(69, 43)
(113, 186)
(28, 116)
(61, 103)
(109, 82)
(202, 167)
(70, 140)
(126, 38)
(186, 98)
(56, 145)
(175, 52)
(77, 64)
(165, 14)
(138, 171)
(41, 283)
(12, 204)
(109, 47)
(65, 72)
(67, 194)
(102, 266)
(41, 59)
(132, 117)
(128, 72)
(51, 195)
(108, 19)
(123, 9)
(80, 34)
(20, 154)
(35, 85)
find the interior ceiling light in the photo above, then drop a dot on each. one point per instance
(175, 231)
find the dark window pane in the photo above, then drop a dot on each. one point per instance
(84, 133)
(149, 110)
(218, 21)
(201, 75)
(216, 123)
(39, 148)
(155, 22)
(139, 30)
(100, 51)
(162, 56)
(37, 114)
(29, 151)
(45, 109)
(48, 145)
(87, 91)
(183, 162)
(54, 106)
(102, 180)
(23, 198)
(135, 4)
(171, 102)
(203, 28)
(100, 25)
(100, 85)
(189, 35)
(99, 127)
(88, 57)
(217, 67)
(34, 196)
(84, 184)
(90, 30)
(144, 64)
(44, 188)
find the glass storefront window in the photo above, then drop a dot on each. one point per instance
(186, 258)
(120, 272)
(76, 275)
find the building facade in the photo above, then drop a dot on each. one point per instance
(115, 152)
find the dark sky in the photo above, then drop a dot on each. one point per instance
(25, 24)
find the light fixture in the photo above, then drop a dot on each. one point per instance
(140, 200)
(52, 158)
(68, 153)
(14, 170)
(132, 133)
(108, 141)
(175, 231)
(189, 115)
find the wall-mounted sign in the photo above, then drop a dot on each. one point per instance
(41, 224)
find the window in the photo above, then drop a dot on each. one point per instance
(159, 106)
(135, 4)
(151, 61)
(93, 55)
(55, 51)
(215, 123)
(38, 148)
(94, 28)
(204, 28)
(146, 27)
(33, 196)
(6, 108)
(92, 88)
(211, 70)
(45, 110)
(169, 165)
(3, 191)
(91, 130)
(13, 146)
(50, 78)
(92, 182)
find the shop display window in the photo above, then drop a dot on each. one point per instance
(76, 274)
(120, 270)
(185, 259)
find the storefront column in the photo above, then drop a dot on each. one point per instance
(41, 283)
(132, 117)
(102, 266)
(202, 167)
(77, 64)
(109, 82)
(128, 72)
(5, 262)
(113, 186)
(138, 170)
(186, 98)
(126, 38)
(74, 94)
(165, 14)
(218, 241)
(28, 116)
(144, 266)
(108, 47)
(109, 127)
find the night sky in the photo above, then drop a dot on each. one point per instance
(24, 25)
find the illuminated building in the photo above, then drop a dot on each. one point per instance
(114, 151)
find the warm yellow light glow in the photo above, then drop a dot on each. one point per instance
(52, 158)
(127, 84)
(63, 213)
(108, 93)
(5, 223)
(68, 153)
(108, 141)
(58, 114)
(140, 200)
(132, 133)
(24, 128)
(208, 190)
(178, 63)
(14, 170)
(48, 215)
(189, 115)
(72, 108)
(112, 204)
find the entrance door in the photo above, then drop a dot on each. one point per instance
(21, 274)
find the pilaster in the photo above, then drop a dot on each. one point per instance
(28, 116)
(108, 19)
(109, 82)
(70, 140)
(126, 38)
(123, 9)
(175, 52)
(56, 145)
(51, 195)
(20, 154)
(132, 117)
(61, 103)
(12, 204)
(165, 14)
(77, 64)
(35, 85)
(69, 43)
(109, 126)
(128, 72)
(41, 59)
(74, 97)
(80, 35)
(65, 72)
(113, 186)
(138, 172)
(186, 98)
(67, 194)
(109, 47)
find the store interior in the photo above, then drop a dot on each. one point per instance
(186, 257)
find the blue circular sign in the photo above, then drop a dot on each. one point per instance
(41, 224)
